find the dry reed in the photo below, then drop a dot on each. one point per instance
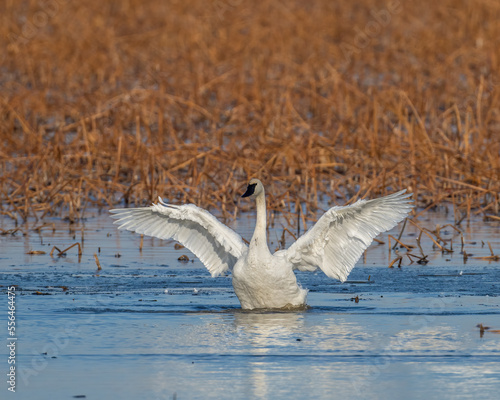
(61, 253)
(119, 102)
(97, 263)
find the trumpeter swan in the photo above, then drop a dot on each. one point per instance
(261, 279)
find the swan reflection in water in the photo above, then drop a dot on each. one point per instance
(258, 348)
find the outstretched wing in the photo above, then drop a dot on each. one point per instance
(337, 241)
(217, 246)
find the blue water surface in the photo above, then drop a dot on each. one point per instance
(149, 326)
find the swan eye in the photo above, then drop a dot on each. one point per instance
(250, 190)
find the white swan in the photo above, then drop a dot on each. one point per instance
(261, 279)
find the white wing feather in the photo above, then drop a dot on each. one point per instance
(337, 241)
(217, 246)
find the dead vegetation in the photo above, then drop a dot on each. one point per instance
(119, 102)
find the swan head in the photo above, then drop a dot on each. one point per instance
(254, 188)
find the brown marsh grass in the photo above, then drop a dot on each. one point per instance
(106, 103)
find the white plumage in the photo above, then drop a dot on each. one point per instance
(261, 279)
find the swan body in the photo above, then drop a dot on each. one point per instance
(261, 279)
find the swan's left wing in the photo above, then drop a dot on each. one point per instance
(217, 246)
(337, 241)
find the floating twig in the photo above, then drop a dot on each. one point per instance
(492, 257)
(36, 252)
(406, 246)
(62, 252)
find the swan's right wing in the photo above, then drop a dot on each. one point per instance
(337, 241)
(217, 246)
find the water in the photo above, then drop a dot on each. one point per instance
(150, 326)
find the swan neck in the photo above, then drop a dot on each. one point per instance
(259, 238)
